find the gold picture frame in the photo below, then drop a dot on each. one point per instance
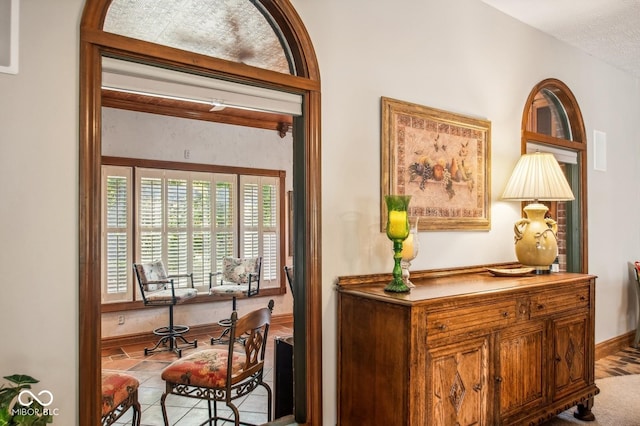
(442, 160)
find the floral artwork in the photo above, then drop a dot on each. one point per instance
(440, 159)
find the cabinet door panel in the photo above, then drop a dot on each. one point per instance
(458, 384)
(520, 374)
(570, 360)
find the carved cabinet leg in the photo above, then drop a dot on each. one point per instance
(584, 411)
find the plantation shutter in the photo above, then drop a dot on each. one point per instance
(189, 220)
(150, 215)
(201, 224)
(260, 216)
(177, 207)
(249, 243)
(269, 228)
(116, 226)
(225, 217)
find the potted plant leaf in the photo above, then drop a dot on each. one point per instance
(14, 414)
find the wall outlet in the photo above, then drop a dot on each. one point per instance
(120, 319)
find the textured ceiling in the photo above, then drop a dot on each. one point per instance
(606, 29)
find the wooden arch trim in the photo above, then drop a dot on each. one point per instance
(578, 144)
(566, 96)
(93, 44)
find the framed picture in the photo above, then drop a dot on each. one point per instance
(9, 18)
(442, 160)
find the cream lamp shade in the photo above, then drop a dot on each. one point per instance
(537, 177)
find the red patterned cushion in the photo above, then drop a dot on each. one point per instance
(207, 368)
(116, 388)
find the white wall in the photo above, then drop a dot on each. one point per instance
(465, 57)
(458, 55)
(39, 204)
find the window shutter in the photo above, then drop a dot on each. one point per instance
(250, 217)
(201, 231)
(150, 209)
(269, 229)
(225, 218)
(116, 269)
(189, 220)
(177, 203)
(260, 217)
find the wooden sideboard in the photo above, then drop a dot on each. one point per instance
(465, 348)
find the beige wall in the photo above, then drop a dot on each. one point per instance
(460, 56)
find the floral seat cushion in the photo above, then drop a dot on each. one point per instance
(116, 389)
(167, 295)
(237, 270)
(152, 272)
(230, 289)
(206, 369)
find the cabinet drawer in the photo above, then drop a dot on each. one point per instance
(550, 302)
(474, 320)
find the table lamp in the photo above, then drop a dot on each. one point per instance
(537, 177)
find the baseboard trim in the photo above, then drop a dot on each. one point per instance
(211, 329)
(611, 346)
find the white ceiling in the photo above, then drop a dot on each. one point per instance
(606, 29)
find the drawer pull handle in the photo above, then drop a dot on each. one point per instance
(540, 306)
(498, 379)
(505, 314)
(583, 298)
(442, 327)
(558, 359)
(477, 387)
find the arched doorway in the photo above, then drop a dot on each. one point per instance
(96, 43)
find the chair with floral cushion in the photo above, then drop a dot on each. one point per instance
(240, 277)
(119, 393)
(224, 373)
(160, 289)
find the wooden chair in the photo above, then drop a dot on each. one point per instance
(223, 374)
(159, 289)
(240, 277)
(119, 393)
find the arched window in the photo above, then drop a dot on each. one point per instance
(239, 31)
(552, 122)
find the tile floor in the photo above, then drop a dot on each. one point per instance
(189, 412)
(180, 410)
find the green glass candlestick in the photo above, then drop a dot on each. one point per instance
(397, 231)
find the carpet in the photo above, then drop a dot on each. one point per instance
(617, 404)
